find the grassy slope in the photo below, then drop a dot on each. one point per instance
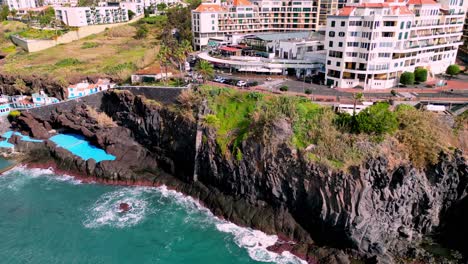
(237, 115)
(114, 53)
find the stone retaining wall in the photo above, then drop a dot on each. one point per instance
(164, 95)
(33, 45)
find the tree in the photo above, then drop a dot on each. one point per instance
(142, 32)
(163, 58)
(161, 7)
(4, 11)
(205, 69)
(453, 70)
(358, 97)
(182, 51)
(47, 17)
(376, 119)
(407, 78)
(131, 14)
(420, 75)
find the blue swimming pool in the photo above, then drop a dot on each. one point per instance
(9, 134)
(80, 147)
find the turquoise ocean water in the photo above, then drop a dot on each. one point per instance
(45, 218)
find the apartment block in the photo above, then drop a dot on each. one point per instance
(18, 4)
(371, 43)
(61, 2)
(464, 48)
(216, 20)
(84, 16)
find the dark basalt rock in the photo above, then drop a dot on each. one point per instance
(372, 212)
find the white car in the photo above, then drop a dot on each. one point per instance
(219, 79)
(241, 83)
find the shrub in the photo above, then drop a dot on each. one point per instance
(120, 32)
(453, 70)
(142, 32)
(308, 91)
(393, 92)
(13, 115)
(67, 62)
(210, 121)
(89, 45)
(422, 134)
(420, 75)
(101, 118)
(407, 78)
(376, 119)
(284, 88)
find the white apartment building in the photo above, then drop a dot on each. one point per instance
(216, 20)
(19, 4)
(371, 43)
(61, 2)
(84, 16)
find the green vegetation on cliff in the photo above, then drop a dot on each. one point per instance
(336, 140)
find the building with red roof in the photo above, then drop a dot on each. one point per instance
(218, 20)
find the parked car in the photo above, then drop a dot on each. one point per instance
(219, 79)
(241, 83)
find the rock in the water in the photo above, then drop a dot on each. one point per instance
(124, 207)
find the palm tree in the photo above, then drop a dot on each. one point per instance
(205, 69)
(163, 58)
(182, 51)
(357, 97)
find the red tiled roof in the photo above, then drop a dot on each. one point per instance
(154, 70)
(379, 5)
(230, 49)
(241, 3)
(204, 7)
(422, 2)
(346, 11)
(402, 9)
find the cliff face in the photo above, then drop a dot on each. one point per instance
(372, 209)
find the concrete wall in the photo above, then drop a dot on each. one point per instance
(33, 45)
(164, 95)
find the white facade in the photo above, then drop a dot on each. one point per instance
(85, 88)
(17, 4)
(371, 44)
(84, 16)
(61, 2)
(213, 20)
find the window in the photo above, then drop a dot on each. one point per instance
(331, 34)
(341, 34)
(406, 35)
(330, 44)
(343, 23)
(340, 44)
(329, 62)
(402, 25)
(400, 35)
(338, 64)
(335, 54)
(333, 23)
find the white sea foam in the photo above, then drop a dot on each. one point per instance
(106, 211)
(24, 174)
(256, 242)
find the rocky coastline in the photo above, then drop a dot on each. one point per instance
(372, 213)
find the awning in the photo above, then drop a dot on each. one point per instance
(229, 49)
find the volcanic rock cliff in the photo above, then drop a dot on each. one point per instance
(372, 210)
